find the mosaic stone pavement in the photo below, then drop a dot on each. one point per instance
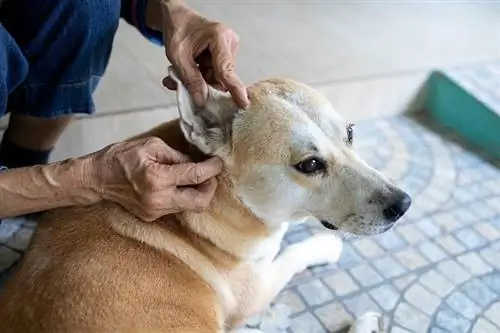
(437, 271)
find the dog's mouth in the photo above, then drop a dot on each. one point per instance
(328, 225)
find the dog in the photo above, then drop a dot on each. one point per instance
(287, 157)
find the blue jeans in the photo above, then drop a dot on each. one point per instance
(54, 53)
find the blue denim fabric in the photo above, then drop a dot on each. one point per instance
(54, 54)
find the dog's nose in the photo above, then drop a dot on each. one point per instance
(397, 208)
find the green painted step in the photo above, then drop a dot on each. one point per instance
(467, 100)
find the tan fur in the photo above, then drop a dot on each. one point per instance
(80, 275)
(100, 269)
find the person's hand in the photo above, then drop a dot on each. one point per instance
(150, 179)
(201, 51)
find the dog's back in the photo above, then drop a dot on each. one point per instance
(81, 273)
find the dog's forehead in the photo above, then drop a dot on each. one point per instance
(291, 115)
(296, 106)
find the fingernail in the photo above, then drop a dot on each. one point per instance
(245, 101)
(215, 163)
(244, 104)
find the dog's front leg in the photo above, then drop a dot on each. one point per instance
(319, 249)
(369, 322)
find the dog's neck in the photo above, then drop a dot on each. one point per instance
(232, 227)
(227, 222)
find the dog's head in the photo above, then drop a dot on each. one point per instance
(290, 156)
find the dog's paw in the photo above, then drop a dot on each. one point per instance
(329, 245)
(369, 322)
(321, 249)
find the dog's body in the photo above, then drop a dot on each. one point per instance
(100, 269)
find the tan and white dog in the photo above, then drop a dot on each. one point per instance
(287, 157)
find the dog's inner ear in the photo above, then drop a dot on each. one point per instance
(208, 127)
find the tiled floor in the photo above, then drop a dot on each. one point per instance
(437, 271)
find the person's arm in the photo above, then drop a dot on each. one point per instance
(201, 50)
(145, 176)
(147, 16)
(155, 12)
(38, 188)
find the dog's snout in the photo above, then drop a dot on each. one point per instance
(397, 207)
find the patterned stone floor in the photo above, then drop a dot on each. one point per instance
(437, 271)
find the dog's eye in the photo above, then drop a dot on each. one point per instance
(311, 165)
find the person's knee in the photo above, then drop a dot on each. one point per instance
(31, 22)
(67, 45)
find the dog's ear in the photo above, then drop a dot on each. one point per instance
(208, 127)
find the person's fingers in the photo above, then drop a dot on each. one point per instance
(195, 198)
(209, 75)
(235, 45)
(220, 86)
(204, 59)
(191, 77)
(224, 69)
(187, 174)
(162, 153)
